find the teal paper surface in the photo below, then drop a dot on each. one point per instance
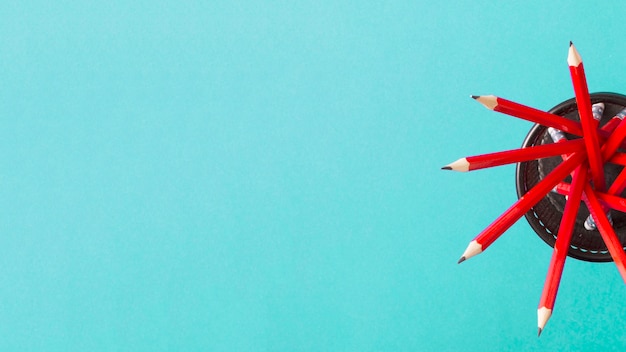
(265, 176)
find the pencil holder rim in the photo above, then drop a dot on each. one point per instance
(534, 218)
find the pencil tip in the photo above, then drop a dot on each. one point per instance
(543, 314)
(489, 101)
(460, 165)
(573, 57)
(472, 249)
(570, 43)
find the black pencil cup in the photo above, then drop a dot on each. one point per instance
(545, 216)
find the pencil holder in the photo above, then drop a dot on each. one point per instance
(546, 215)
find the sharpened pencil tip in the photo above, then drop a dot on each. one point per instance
(461, 260)
(570, 43)
(543, 314)
(489, 101)
(573, 57)
(460, 165)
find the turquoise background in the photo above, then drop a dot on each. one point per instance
(265, 176)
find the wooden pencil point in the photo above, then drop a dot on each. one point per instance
(489, 101)
(474, 96)
(573, 57)
(472, 249)
(461, 260)
(543, 314)
(461, 165)
(539, 332)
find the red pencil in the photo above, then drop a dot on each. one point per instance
(563, 238)
(616, 188)
(612, 201)
(508, 107)
(562, 188)
(615, 140)
(530, 114)
(619, 184)
(618, 159)
(589, 124)
(612, 123)
(482, 161)
(521, 206)
(606, 231)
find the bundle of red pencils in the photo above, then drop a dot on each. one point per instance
(583, 160)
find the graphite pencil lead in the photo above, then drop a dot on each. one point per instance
(461, 260)
(539, 332)
(446, 168)
(570, 43)
(474, 96)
